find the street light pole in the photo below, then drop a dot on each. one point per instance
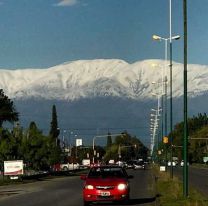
(155, 124)
(177, 37)
(165, 82)
(171, 91)
(160, 106)
(185, 139)
(158, 113)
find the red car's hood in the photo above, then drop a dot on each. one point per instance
(105, 181)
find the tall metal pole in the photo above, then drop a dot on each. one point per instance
(93, 148)
(162, 115)
(165, 82)
(185, 139)
(165, 106)
(171, 91)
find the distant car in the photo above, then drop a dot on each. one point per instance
(139, 165)
(106, 183)
(120, 163)
(111, 162)
(130, 164)
(182, 163)
(69, 166)
(173, 163)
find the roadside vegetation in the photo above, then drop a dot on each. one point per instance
(170, 192)
(197, 145)
(125, 147)
(42, 152)
(38, 151)
(197, 132)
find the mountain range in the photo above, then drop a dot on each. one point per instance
(96, 96)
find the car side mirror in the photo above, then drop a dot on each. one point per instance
(83, 177)
(130, 176)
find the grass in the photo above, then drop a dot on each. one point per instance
(170, 192)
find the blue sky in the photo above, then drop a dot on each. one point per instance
(44, 33)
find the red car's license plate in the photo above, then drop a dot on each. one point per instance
(105, 194)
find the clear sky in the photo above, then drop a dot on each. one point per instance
(44, 33)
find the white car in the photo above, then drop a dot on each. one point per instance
(173, 164)
(120, 163)
(139, 165)
(182, 163)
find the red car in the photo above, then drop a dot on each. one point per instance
(106, 183)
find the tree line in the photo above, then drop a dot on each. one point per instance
(125, 147)
(40, 151)
(197, 134)
(197, 139)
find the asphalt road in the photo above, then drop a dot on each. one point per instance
(66, 191)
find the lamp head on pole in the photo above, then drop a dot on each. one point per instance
(177, 37)
(156, 37)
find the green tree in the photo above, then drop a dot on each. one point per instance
(54, 131)
(197, 127)
(54, 152)
(8, 146)
(7, 110)
(39, 151)
(128, 147)
(109, 140)
(198, 147)
(35, 148)
(111, 153)
(123, 139)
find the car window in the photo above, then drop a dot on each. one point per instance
(106, 172)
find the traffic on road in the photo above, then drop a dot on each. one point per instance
(64, 191)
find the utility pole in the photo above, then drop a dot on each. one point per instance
(171, 92)
(185, 139)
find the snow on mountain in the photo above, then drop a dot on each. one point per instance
(97, 78)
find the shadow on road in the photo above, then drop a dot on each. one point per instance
(130, 202)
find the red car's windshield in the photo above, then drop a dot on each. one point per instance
(106, 172)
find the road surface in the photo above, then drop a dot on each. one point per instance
(66, 191)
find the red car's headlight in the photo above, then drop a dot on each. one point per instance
(89, 187)
(122, 186)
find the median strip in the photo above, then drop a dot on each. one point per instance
(170, 192)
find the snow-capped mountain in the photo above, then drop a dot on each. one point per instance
(98, 78)
(96, 96)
